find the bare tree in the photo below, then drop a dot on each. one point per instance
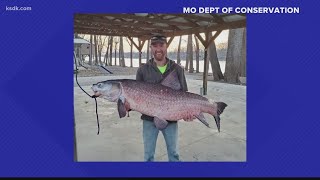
(234, 55)
(121, 53)
(115, 51)
(111, 44)
(91, 53)
(148, 50)
(189, 54)
(101, 42)
(178, 53)
(105, 61)
(214, 61)
(131, 47)
(197, 53)
(95, 50)
(243, 61)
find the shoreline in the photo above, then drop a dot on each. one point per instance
(94, 71)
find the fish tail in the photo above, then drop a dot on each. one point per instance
(220, 108)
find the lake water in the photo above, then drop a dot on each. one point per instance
(135, 63)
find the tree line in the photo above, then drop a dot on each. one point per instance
(233, 52)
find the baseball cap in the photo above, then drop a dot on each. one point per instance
(158, 38)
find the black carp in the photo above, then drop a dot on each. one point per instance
(162, 101)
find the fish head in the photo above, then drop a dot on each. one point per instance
(109, 90)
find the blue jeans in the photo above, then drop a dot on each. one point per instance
(150, 136)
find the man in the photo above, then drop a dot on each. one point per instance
(154, 71)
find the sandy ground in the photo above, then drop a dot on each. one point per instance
(121, 139)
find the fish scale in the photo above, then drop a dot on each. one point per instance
(150, 100)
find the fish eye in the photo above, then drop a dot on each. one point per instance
(99, 85)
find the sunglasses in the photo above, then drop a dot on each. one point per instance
(158, 38)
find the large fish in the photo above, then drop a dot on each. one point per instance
(163, 101)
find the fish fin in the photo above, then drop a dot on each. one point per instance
(127, 105)
(220, 108)
(160, 123)
(202, 119)
(121, 108)
(217, 119)
(128, 112)
(172, 81)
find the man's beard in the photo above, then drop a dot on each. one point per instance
(159, 56)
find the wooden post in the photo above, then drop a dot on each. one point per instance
(169, 42)
(90, 57)
(139, 49)
(206, 42)
(140, 54)
(141, 43)
(131, 47)
(205, 71)
(115, 51)
(148, 49)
